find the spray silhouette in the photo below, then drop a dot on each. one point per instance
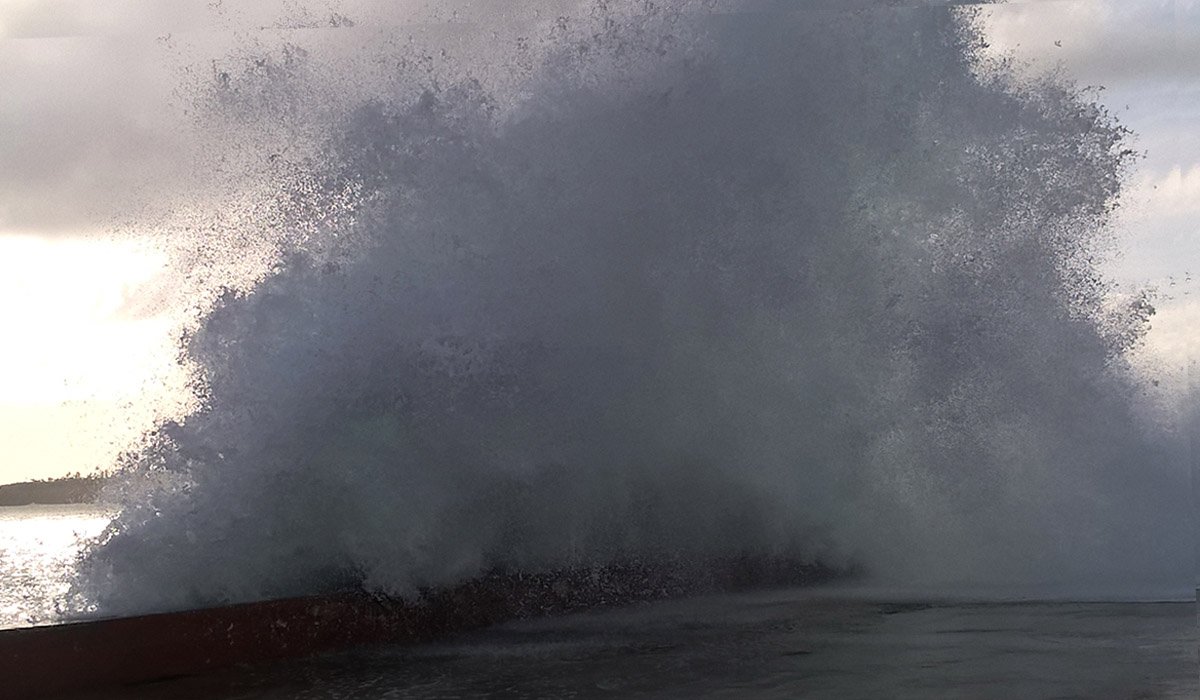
(660, 283)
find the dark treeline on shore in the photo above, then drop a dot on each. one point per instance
(73, 488)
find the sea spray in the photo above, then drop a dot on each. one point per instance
(653, 281)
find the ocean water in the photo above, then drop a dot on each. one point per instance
(825, 642)
(780, 644)
(39, 548)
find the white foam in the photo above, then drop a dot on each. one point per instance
(645, 284)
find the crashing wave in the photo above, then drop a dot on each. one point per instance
(647, 281)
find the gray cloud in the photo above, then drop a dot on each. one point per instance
(1104, 42)
(91, 130)
(85, 130)
(126, 18)
(93, 123)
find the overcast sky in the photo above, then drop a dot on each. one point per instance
(89, 123)
(90, 137)
(1146, 56)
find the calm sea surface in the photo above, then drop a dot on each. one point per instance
(38, 546)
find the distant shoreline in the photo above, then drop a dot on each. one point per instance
(67, 490)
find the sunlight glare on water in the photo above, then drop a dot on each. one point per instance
(38, 549)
